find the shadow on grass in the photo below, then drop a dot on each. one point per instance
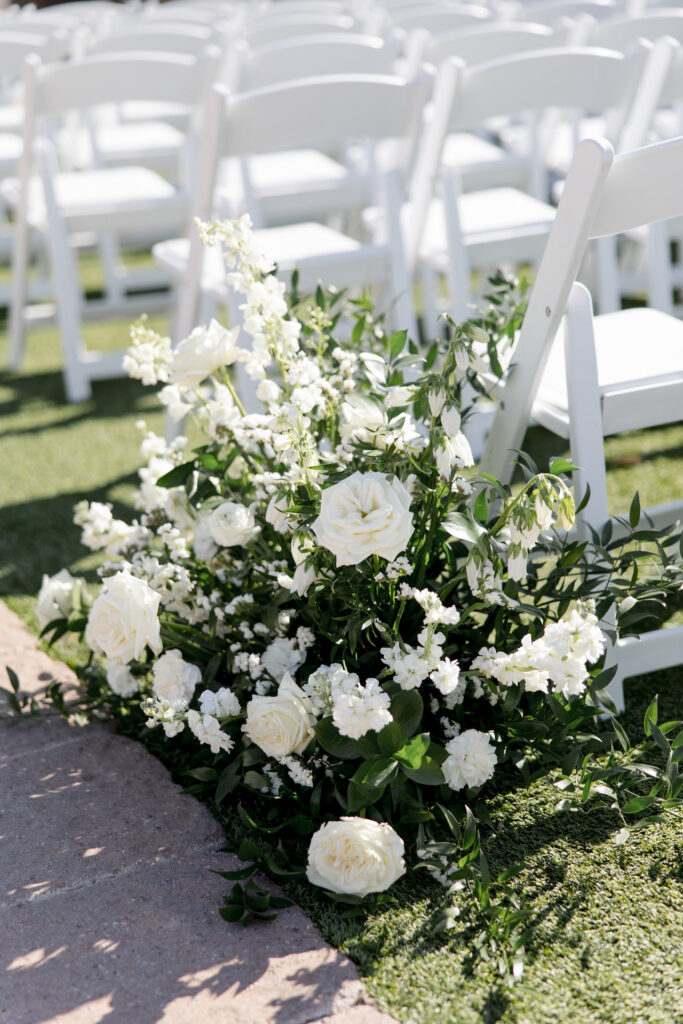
(57, 540)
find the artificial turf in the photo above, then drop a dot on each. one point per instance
(609, 943)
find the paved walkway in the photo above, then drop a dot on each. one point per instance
(107, 902)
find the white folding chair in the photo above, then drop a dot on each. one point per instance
(556, 12)
(366, 107)
(440, 18)
(587, 377)
(126, 201)
(306, 184)
(482, 230)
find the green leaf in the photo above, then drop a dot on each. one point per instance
(407, 709)
(360, 796)
(397, 343)
(375, 772)
(392, 737)
(481, 507)
(462, 527)
(560, 465)
(414, 752)
(177, 476)
(634, 511)
(470, 832)
(651, 716)
(637, 804)
(228, 781)
(331, 740)
(232, 912)
(13, 678)
(428, 774)
(204, 774)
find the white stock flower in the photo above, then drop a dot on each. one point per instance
(366, 514)
(232, 524)
(221, 704)
(360, 709)
(446, 678)
(471, 760)
(123, 619)
(282, 657)
(208, 730)
(205, 547)
(355, 857)
(121, 680)
(174, 679)
(203, 352)
(55, 598)
(282, 724)
(268, 391)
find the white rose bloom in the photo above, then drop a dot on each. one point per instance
(472, 760)
(123, 619)
(366, 514)
(282, 724)
(204, 351)
(221, 704)
(121, 680)
(55, 598)
(355, 856)
(174, 679)
(231, 524)
(282, 657)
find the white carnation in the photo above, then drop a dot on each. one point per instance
(208, 730)
(174, 679)
(55, 598)
(121, 680)
(471, 760)
(221, 704)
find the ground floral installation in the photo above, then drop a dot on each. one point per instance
(353, 635)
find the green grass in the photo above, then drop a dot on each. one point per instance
(609, 946)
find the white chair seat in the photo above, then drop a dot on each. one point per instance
(85, 194)
(482, 164)
(621, 353)
(149, 110)
(11, 117)
(296, 185)
(486, 217)
(10, 152)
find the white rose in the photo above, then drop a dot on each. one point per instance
(55, 598)
(366, 514)
(355, 856)
(472, 760)
(204, 351)
(173, 678)
(283, 724)
(231, 524)
(121, 680)
(123, 620)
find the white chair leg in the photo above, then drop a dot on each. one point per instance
(585, 413)
(110, 258)
(18, 293)
(607, 271)
(459, 288)
(403, 312)
(659, 269)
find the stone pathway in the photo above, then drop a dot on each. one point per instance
(107, 900)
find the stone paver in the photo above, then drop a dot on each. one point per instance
(108, 900)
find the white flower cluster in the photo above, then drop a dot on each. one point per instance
(559, 659)
(356, 708)
(149, 356)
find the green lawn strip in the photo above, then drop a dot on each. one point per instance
(609, 946)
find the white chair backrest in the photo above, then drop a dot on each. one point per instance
(439, 18)
(489, 42)
(16, 46)
(557, 11)
(269, 30)
(603, 195)
(188, 39)
(313, 56)
(623, 32)
(329, 110)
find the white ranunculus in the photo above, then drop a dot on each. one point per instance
(121, 679)
(55, 598)
(174, 678)
(123, 619)
(283, 724)
(355, 857)
(366, 514)
(471, 760)
(204, 351)
(231, 524)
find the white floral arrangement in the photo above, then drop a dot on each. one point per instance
(349, 631)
